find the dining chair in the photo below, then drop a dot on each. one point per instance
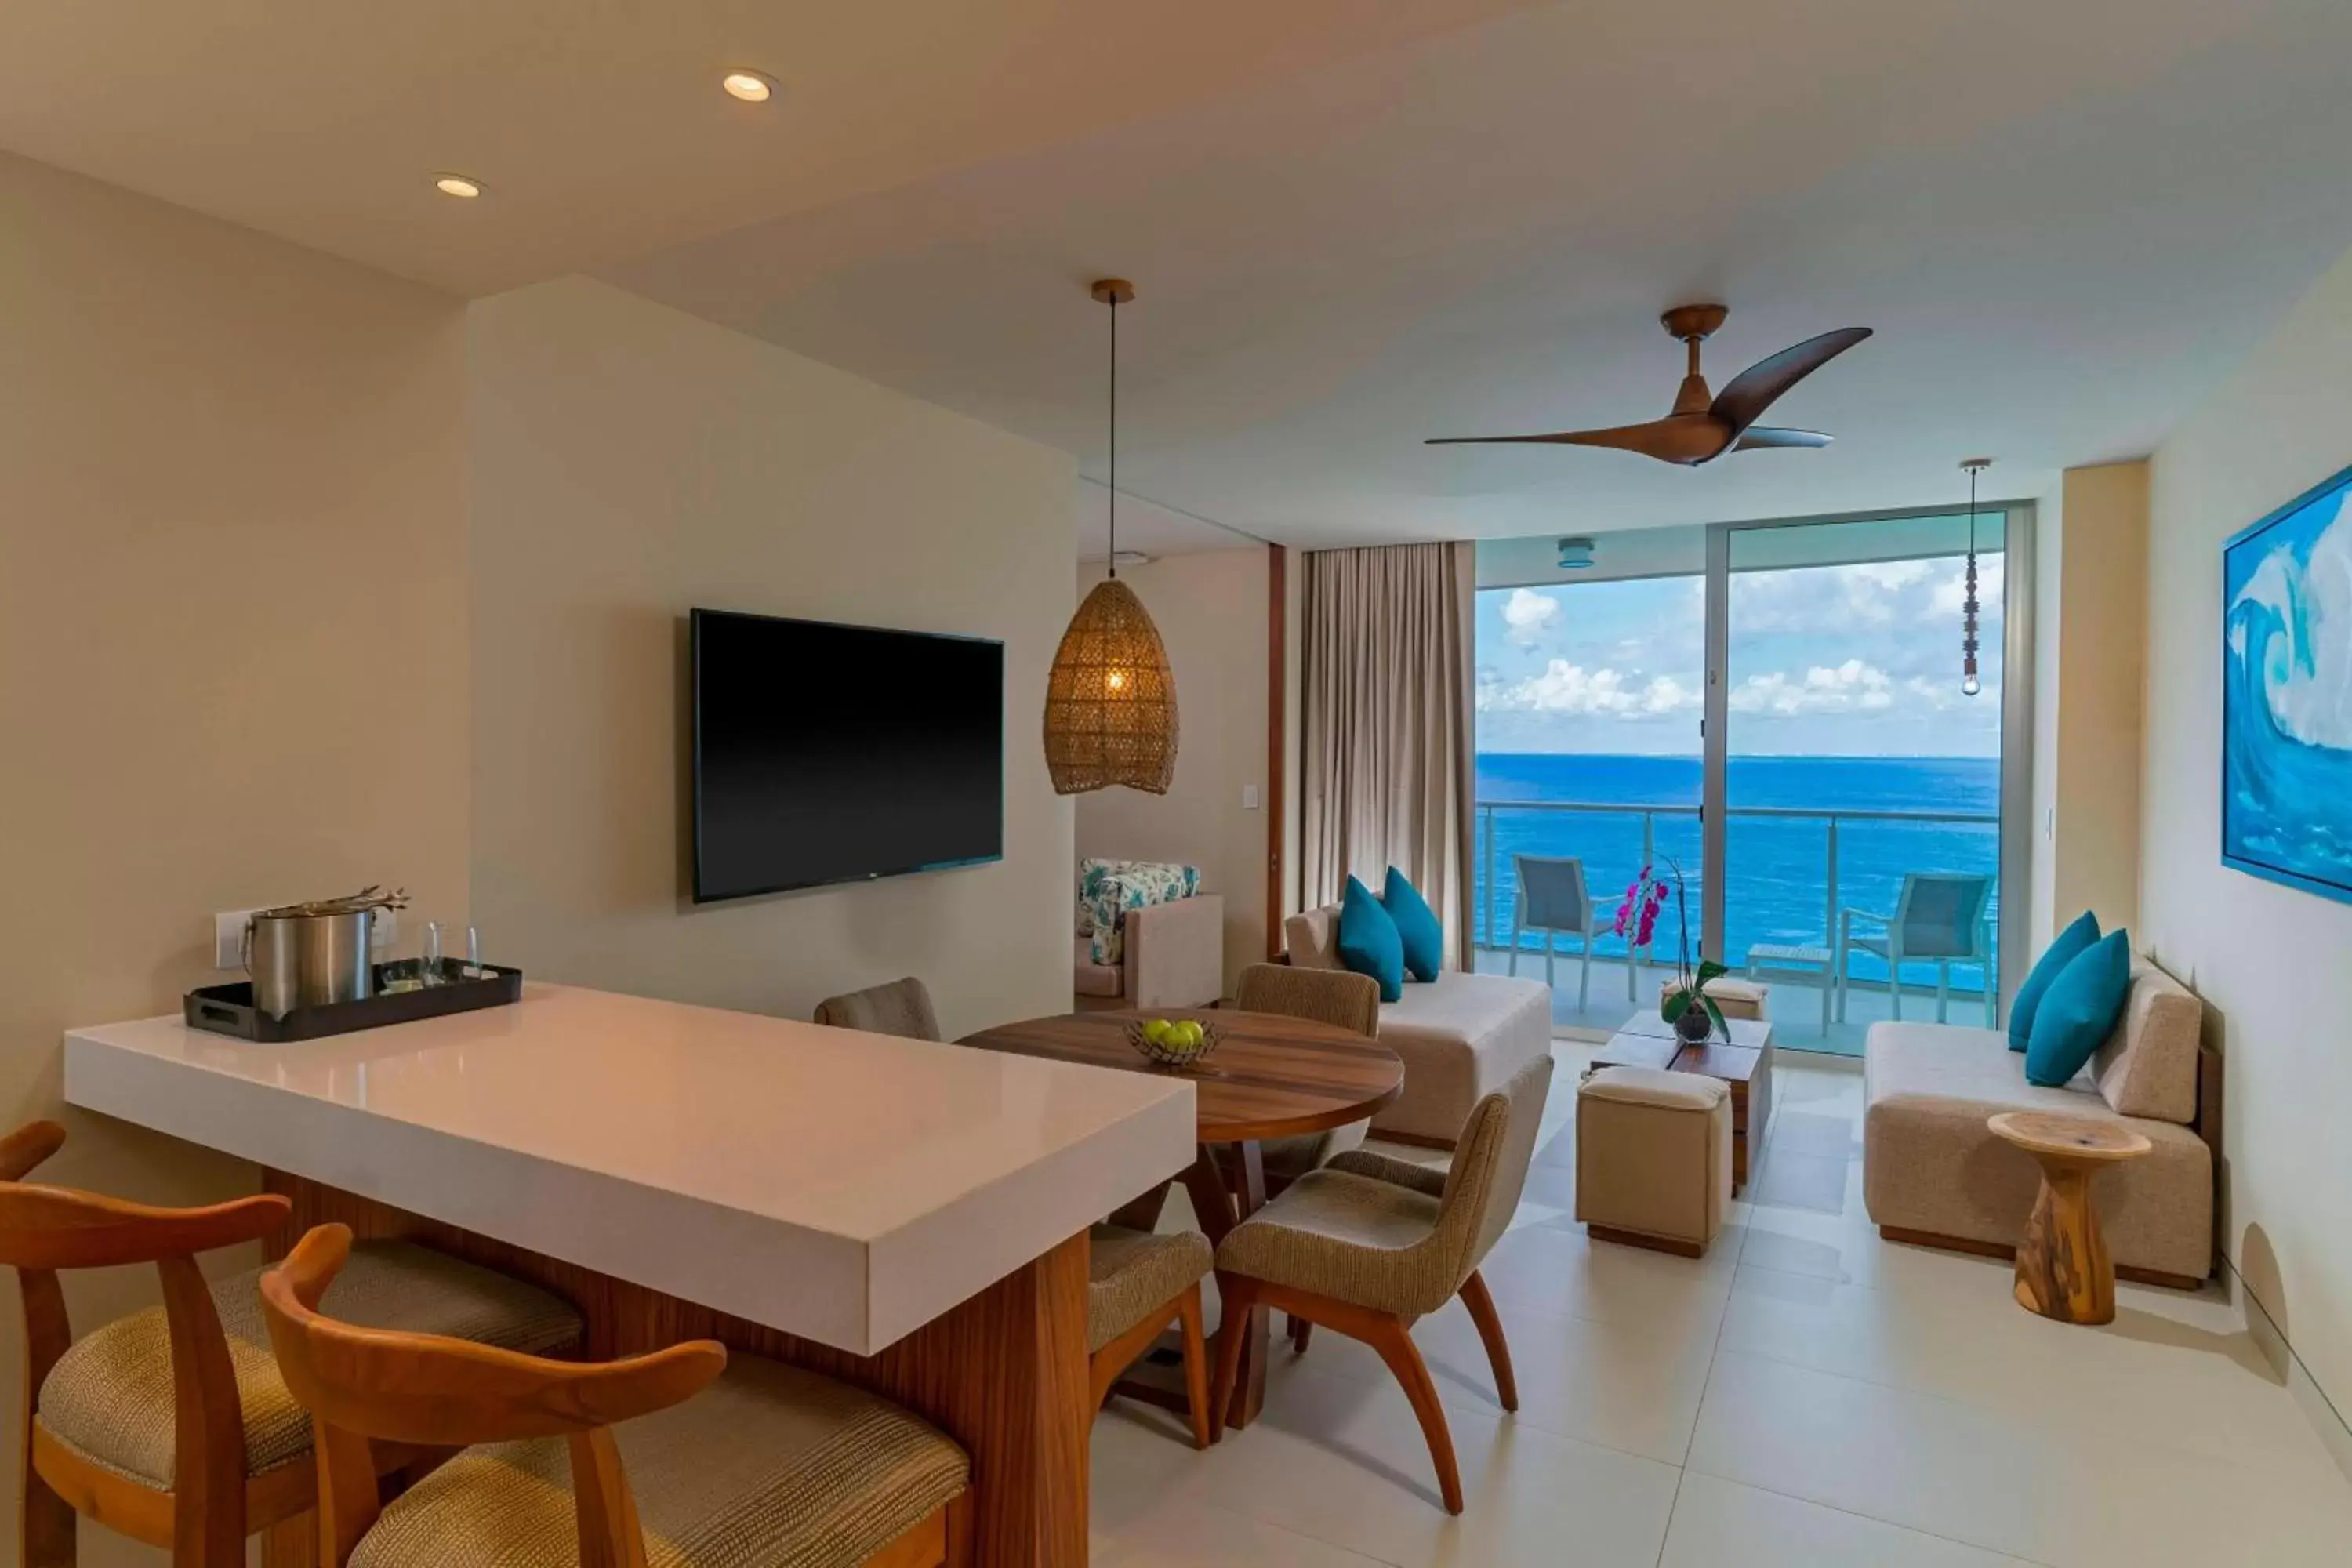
(173, 1426)
(1339, 997)
(1552, 898)
(902, 1007)
(1939, 918)
(682, 1456)
(1368, 1245)
(1138, 1284)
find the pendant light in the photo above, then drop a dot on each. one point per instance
(1110, 700)
(1969, 682)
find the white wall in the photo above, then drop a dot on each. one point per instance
(630, 462)
(1211, 607)
(233, 637)
(2269, 960)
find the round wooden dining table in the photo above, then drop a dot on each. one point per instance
(1271, 1076)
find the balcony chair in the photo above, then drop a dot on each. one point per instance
(1553, 900)
(1939, 919)
(1367, 1244)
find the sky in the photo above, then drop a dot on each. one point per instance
(1856, 660)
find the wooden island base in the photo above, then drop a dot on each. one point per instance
(1005, 1373)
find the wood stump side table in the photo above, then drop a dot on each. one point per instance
(2063, 1271)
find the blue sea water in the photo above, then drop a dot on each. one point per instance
(1777, 887)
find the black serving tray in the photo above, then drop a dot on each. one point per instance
(229, 1010)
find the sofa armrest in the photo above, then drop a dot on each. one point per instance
(1176, 953)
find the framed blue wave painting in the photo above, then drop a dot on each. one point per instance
(2287, 707)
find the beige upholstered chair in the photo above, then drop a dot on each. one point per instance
(902, 1007)
(1367, 1244)
(173, 1426)
(684, 1456)
(1138, 1283)
(1339, 997)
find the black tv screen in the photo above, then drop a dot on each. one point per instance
(832, 753)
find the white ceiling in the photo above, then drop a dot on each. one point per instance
(599, 128)
(2066, 219)
(1146, 526)
(1354, 223)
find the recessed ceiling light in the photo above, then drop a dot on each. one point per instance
(749, 86)
(458, 186)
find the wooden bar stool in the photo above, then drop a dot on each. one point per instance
(657, 1461)
(172, 1426)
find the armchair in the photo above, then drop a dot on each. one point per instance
(1175, 957)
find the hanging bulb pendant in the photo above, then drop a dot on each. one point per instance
(1970, 683)
(1110, 697)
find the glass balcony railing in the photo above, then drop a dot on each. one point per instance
(1793, 875)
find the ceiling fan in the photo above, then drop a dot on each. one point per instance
(1703, 427)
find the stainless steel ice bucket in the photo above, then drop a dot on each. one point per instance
(307, 960)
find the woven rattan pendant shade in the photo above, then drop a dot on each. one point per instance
(1110, 701)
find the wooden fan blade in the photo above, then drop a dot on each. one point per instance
(1682, 438)
(1764, 438)
(1755, 389)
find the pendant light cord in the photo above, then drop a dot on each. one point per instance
(1114, 436)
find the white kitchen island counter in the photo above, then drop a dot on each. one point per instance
(906, 1202)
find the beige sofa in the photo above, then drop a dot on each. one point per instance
(1175, 957)
(1933, 1173)
(1462, 1036)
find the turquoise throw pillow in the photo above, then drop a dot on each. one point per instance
(1418, 927)
(1369, 942)
(2063, 950)
(2079, 1011)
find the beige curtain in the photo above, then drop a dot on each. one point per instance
(1385, 725)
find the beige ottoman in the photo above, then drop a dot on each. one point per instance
(1748, 999)
(1654, 1158)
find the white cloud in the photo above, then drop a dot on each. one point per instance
(1851, 687)
(1529, 615)
(1562, 688)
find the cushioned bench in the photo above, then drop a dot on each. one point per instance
(1462, 1036)
(1933, 1173)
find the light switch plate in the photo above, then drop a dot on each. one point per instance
(384, 932)
(228, 938)
(1249, 797)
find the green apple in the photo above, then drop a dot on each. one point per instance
(1156, 1030)
(1188, 1035)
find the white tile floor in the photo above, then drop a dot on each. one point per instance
(1806, 1395)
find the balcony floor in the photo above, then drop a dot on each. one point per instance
(1796, 1009)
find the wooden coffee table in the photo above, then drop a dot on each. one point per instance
(1745, 1062)
(2063, 1271)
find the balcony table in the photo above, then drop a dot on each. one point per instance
(899, 1213)
(1270, 1076)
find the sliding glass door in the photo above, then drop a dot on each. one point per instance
(1778, 708)
(1861, 779)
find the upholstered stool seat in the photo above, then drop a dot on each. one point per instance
(1654, 1158)
(110, 1397)
(771, 1465)
(1132, 1275)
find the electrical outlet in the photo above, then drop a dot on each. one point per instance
(228, 938)
(384, 932)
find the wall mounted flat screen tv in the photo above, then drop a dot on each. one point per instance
(830, 754)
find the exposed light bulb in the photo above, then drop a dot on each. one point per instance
(1971, 685)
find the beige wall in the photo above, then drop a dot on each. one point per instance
(630, 462)
(2269, 959)
(1211, 609)
(233, 633)
(2091, 630)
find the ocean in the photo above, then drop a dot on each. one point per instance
(1777, 889)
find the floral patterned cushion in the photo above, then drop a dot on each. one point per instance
(1134, 884)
